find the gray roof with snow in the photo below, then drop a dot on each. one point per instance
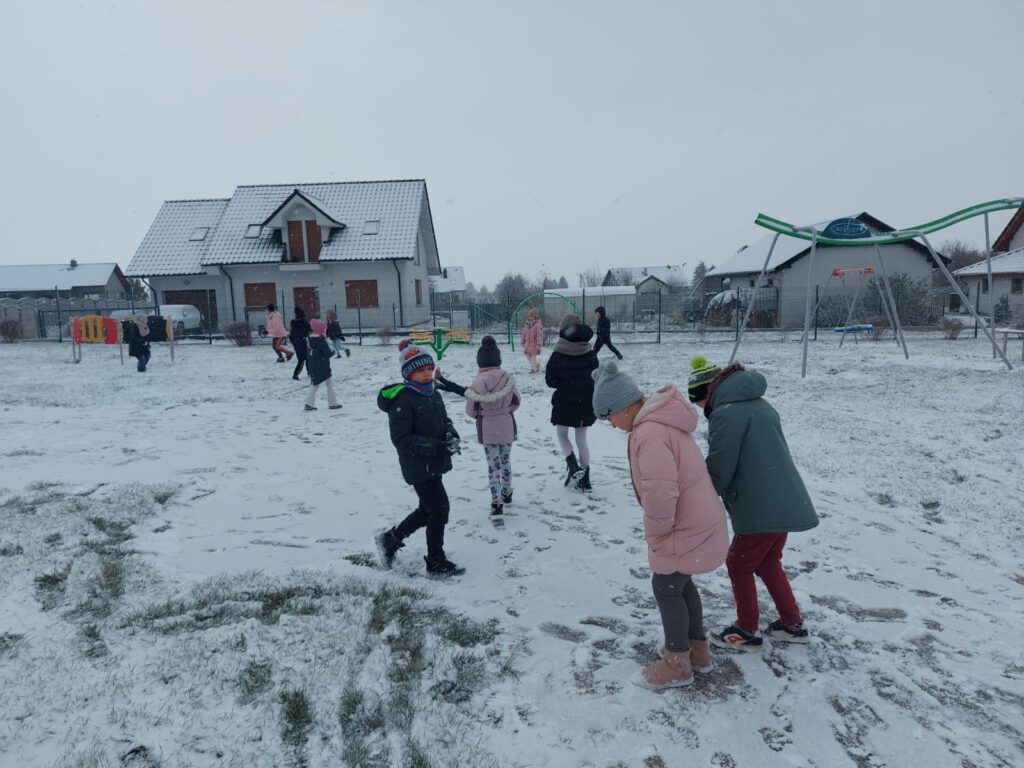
(44, 277)
(1009, 263)
(665, 274)
(397, 206)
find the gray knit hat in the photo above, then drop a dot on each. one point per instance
(613, 391)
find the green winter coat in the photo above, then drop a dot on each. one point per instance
(749, 461)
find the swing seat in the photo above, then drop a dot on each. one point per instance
(866, 328)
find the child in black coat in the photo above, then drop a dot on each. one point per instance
(604, 332)
(425, 440)
(568, 373)
(299, 335)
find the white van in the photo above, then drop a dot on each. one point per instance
(184, 317)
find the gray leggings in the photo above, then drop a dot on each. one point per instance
(682, 614)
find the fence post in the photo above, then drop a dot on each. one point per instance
(508, 312)
(209, 319)
(977, 306)
(60, 331)
(359, 313)
(451, 321)
(817, 306)
(394, 320)
(584, 304)
(659, 314)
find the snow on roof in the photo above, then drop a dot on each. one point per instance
(450, 280)
(396, 205)
(596, 290)
(751, 258)
(665, 274)
(1011, 262)
(44, 277)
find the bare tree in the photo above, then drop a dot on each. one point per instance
(591, 277)
(961, 254)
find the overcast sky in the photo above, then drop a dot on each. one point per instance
(552, 135)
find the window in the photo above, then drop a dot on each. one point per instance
(1017, 285)
(199, 233)
(371, 227)
(254, 230)
(361, 293)
(419, 293)
(260, 294)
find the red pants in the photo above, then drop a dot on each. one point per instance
(760, 554)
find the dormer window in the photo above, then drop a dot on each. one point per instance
(198, 234)
(254, 230)
(371, 227)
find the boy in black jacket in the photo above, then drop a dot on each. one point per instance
(426, 440)
(604, 332)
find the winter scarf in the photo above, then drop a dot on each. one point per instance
(572, 348)
(425, 388)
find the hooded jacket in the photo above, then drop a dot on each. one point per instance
(419, 425)
(684, 520)
(532, 338)
(604, 325)
(749, 460)
(319, 361)
(138, 343)
(491, 399)
(275, 325)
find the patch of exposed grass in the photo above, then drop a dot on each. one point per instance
(364, 559)
(10, 550)
(467, 675)
(415, 756)
(253, 680)
(42, 485)
(50, 587)
(94, 645)
(466, 633)
(9, 641)
(163, 495)
(53, 539)
(296, 716)
(362, 729)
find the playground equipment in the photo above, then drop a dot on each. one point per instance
(884, 297)
(513, 319)
(97, 329)
(440, 339)
(851, 232)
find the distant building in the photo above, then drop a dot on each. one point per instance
(1007, 281)
(450, 284)
(365, 248)
(646, 278)
(70, 281)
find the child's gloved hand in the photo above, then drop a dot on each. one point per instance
(451, 445)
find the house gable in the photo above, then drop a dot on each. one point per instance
(1011, 237)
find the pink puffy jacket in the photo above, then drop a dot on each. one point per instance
(532, 338)
(275, 325)
(491, 399)
(684, 520)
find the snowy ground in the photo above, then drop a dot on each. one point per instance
(186, 560)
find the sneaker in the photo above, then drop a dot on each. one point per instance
(442, 567)
(740, 639)
(310, 407)
(506, 497)
(388, 544)
(780, 632)
(496, 509)
(295, 376)
(334, 407)
(280, 359)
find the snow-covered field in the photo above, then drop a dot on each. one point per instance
(188, 576)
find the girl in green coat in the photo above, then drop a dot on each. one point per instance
(752, 470)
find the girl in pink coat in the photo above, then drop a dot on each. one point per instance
(532, 338)
(684, 520)
(491, 399)
(276, 331)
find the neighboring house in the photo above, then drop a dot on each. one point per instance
(366, 248)
(1007, 280)
(70, 281)
(450, 285)
(646, 278)
(1012, 236)
(618, 300)
(785, 283)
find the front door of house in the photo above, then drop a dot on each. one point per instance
(308, 299)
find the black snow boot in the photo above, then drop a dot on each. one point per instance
(441, 567)
(583, 483)
(497, 509)
(574, 471)
(388, 543)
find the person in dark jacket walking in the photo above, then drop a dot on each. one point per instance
(753, 471)
(335, 335)
(568, 373)
(426, 440)
(604, 332)
(319, 365)
(138, 344)
(298, 334)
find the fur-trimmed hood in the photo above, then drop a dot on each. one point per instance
(490, 387)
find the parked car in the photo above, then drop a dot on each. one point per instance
(184, 317)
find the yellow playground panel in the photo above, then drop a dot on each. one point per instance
(440, 339)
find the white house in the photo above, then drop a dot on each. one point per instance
(785, 285)
(646, 278)
(1007, 281)
(366, 249)
(72, 280)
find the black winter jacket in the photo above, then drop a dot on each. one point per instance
(572, 402)
(334, 330)
(319, 362)
(298, 332)
(138, 345)
(419, 427)
(604, 327)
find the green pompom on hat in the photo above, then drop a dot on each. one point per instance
(702, 373)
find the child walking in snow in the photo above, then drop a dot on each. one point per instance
(568, 373)
(335, 335)
(276, 331)
(319, 363)
(532, 338)
(425, 440)
(299, 334)
(491, 399)
(604, 332)
(684, 520)
(752, 470)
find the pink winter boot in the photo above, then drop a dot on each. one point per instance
(672, 670)
(700, 656)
